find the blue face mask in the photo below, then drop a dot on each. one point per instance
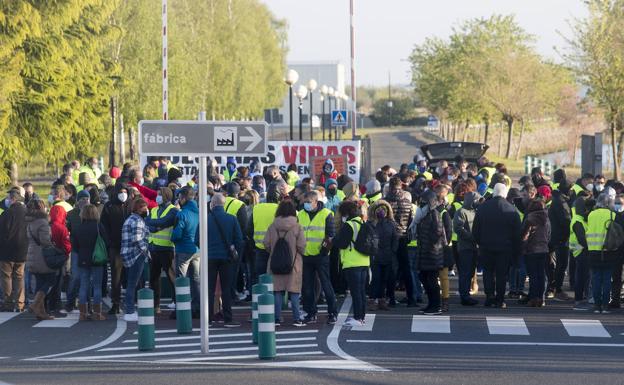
(307, 206)
(422, 169)
(618, 208)
(159, 200)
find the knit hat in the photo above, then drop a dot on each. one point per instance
(330, 182)
(500, 190)
(114, 172)
(545, 192)
(83, 194)
(373, 186)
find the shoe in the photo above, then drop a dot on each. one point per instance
(469, 302)
(597, 309)
(501, 305)
(590, 300)
(298, 323)
(132, 317)
(392, 303)
(606, 310)
(97, 313)
(433, 311)
(550, 294)
(231, 324)
(331, 319)
(445, 306)
(451, 273)
(479, 273)
(38, 308)
(83, 312)
(579, 306)
(614, 305)
(561, 296)
(513, 295)
(114, 310)
(382, 305)
(171, 306)
(309, 319)
(426, 309)
(278, 323)
(353, 322)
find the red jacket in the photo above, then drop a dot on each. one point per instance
(147, 193)
(59, 232)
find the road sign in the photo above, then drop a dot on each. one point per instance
(202, 138)
(432, 121)
(339, 118)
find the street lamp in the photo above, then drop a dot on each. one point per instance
(324, 91)
(291, 78)
(301, 93)
(311, 87)
(330, 93)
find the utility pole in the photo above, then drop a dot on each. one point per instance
(353, 88)
(165, 76)
(390, 103)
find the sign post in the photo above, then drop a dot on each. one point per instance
(202, 139)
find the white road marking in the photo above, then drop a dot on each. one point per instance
(367, 327)
(507, 326)
(195, 337)
(211, 344)
(431, 324)
(585, 328)
(66, 322)
(319, 364)
(583, 344)
(166, 331)
(4, 317)
(200, 359)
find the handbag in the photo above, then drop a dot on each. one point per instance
(54, 257)
(231, 250)
(100, 252)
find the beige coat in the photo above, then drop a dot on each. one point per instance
(39, 228)
(297, 242)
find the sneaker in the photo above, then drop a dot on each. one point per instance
(597, 309)
(579, 306)
(331, 319)
(501, 305)
(309, 319)
(590, 300)
(353, 322)
(171, 306)
(231, 324)
(561, 296)
(432, 312)
(550, 294)
(298, 323)
(606, 311)
(278, 323)
(132, 317)
(451, 273)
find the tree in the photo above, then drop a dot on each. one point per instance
(401, 112)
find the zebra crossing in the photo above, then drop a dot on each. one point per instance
(64, 322)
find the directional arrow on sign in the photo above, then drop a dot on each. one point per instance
(255, 139)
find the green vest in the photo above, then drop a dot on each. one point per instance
(491, 171)
(1, 211)
(162, 237)
(577, 189)
(457, 206)
(576, 247)
(292, 178)
(428, 176)
(351, 257)
(520, 214)
(314, 230)
(340, 195)
(229, 176)
(263, 216)
(597, 223)
(374, 198)
(554, 186)
(232, 205)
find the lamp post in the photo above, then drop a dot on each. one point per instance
(330, 94)
(301, 93)
(291, 78)
(311, 87)
(324, 90)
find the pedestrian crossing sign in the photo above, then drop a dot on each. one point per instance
(339, 117)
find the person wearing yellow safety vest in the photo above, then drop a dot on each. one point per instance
(235, 207)
(578, 249)
(57, 198)
(422, 170)
(291, 175)
(354, 264)
(616, 285)
(160, 222)
(466, 246)
(441, 191)
(318, 226)
(229, 172)
(91, 168)
(582, 184)
(601, 261)
(373, 191)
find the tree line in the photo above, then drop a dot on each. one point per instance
(71, 68)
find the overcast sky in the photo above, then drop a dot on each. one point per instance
(387, 30)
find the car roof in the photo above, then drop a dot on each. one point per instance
(449, 151)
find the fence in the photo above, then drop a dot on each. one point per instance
(530, 162)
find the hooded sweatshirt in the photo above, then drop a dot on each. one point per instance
(463, 220)
(330, 175)
(185, 234)
(58, 230)
(113, 217)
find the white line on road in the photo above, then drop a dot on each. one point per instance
(582, 344)
(367, 327)
(585, 328)
(195, 337)
(66, 322)
(200, 359)
(5, 316)
(507, 326)
(122, 348)
(431, 324)
(166, 331)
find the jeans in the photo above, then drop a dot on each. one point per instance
(134, 273)
(74, 280)
(382, 275)
(262, 261)
(466, 265)
(117, 270)
(405, 272)
(556, 271)
(601, 285)
(162, 260)
(582, 276)
(429, 280)
(90, 278)
(537, 276)
(517, 275)
(183, 262)
(12, 282)
(313, 266)
(356, 280)
(495, 272)
(225, 270)
(294, 301)
(413, 264)
(45, 282)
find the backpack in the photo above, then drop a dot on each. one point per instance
(615, 236)
(366, 239)
(282, 261)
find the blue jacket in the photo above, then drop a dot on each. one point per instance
(231, 231)
(185, 234)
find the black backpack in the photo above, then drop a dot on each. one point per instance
(366, 239)
(282, 260)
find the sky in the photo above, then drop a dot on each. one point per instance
(387, 30)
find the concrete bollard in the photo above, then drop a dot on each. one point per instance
(256, 291)
(266, 327)
(267, 279)
(184, 317)
(147, 329)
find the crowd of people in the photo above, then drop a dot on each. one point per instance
(102, 235)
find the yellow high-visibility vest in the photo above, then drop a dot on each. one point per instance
(374, 198)
(162, 237)
(457, 206)
(263, 216)
(232, 205)
(577, 189)
(597, 223)
(292, 178)
(229, 176)
(350, 257)
(314, 230)
(575, 246)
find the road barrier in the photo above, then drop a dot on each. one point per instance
(267, 279)
(146, 319)
(266, 327)
(256, 291)
(184, 317)
(530, 162)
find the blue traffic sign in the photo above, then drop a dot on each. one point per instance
(339, 117)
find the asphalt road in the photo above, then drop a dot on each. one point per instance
(397, 145)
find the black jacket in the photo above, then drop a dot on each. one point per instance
(560, 216)
(83, 238)
(112, 219)
(402, 209)
(431, 241)
(388, 242)
(13, 239)
(496, 227)
(536, 232)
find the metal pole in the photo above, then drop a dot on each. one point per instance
(165, 79)
(323, 119)
(203, 249)
(353, 88)
(111, 152)
(311, 128)
(300, 119)
(330, 118)
(290, 114)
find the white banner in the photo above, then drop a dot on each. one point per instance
(282, 153)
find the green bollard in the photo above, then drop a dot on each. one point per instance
(256, 291)
(184, 317)
(267, 279)
(266, 327)
(146, 319)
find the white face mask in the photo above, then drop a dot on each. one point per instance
(590, 186)
(324, 200)
(599, 187)
(344, 219)
(122, 197)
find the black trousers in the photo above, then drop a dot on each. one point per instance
(225, 270)
(162, 260)
(616, 278)
(116, 274)
(429, 280)
(495, 274)
(404, 270)
(556, 268)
